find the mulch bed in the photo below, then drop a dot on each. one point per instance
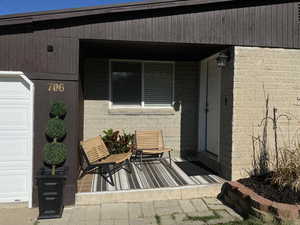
(262, 186)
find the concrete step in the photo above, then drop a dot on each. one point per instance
(143, 195)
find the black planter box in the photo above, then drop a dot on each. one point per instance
(50, 193)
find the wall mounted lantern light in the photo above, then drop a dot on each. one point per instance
(222, 59)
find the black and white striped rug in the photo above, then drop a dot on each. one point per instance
(156, 174)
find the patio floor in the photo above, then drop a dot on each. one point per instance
(154, 174)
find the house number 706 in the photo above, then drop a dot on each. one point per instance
(56, 87)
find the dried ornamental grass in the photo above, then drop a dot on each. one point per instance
(288, 173)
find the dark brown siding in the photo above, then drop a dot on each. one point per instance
(16, 52)
(42, 102)
(63, 59)
(270, 26)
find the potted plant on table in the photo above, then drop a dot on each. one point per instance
(52, 176)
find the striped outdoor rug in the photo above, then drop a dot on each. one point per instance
(156, 174)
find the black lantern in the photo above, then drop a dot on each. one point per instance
(222, 60)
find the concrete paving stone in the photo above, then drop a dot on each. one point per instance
(225, 214)
(171, 212)
(201, 214)
(92, 222)
(73, 221)
(214, 203)
(166, 203)
(135, 210)
(67, 213)
(106, 222)
(233, 213)
(24, 216)
(178, 217)
(79, 213)
(220, 221)
(186, 206)
(93, 213)
(168, 210)
(217, 207)
(56, 222)
(199, 204)
(114, 211)
(150, 221)
(167, 220)
(121, 222)
(148, 209)
(192, 223)
(137, 221)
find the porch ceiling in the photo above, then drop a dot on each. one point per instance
(147, 50)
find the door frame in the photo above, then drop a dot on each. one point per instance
(202, 108)
(19, 74)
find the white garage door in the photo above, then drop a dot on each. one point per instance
(16, 104)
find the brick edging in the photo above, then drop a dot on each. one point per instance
(243, 199)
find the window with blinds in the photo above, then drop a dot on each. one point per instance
(142, 83)
(158, 82)
(126, 83)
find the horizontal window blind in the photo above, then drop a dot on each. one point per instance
(126, 83)
(158, 83)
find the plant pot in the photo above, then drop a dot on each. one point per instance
(50, 194)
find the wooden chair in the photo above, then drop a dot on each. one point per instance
(96, 156)
(150, 144)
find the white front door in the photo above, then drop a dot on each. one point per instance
(15, 139)
(209, 107)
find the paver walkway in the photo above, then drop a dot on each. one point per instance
(204, 211)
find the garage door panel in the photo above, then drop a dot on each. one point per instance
(14, 117)
(14, 88)
(14, 148)
(16, 108)
(14, 186)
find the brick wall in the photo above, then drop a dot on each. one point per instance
(259, 72)
(179, 126)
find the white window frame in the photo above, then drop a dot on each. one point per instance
(142, 105)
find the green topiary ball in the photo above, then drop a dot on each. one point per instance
(58, 109)
(55, 153)
(56, 128)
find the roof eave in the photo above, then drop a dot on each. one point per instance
(104, 9)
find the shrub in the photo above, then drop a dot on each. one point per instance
(288, 173)
(55, 153)
(56, 128)
(58, 109)
(117, 143)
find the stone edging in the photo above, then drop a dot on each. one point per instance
(243, 200)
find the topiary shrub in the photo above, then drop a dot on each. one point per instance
(56, 128)
(58, 109)
(55, 153)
